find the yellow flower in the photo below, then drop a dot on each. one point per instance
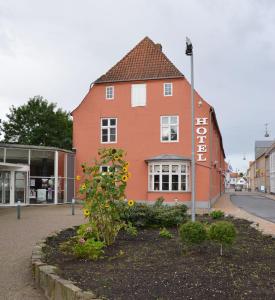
(124, 178)
(131, 202)
(116, 157)
(126, 164)
(78, 177)
(125, 169)
(107, 205)
(86, 212)
(83, 186)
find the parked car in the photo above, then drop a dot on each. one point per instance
(238, 188)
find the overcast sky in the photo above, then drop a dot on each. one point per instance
(57, 48)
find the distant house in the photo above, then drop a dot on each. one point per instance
(142, 104)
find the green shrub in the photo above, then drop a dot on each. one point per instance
(165, 233)
(130, 229)
(193, 233)
(89, 248)
(144, 215)
(159, 202)
(224, 233)
(86, 231)
(217, 214)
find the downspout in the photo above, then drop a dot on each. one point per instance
(210, 155)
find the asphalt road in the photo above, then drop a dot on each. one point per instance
(256, 205)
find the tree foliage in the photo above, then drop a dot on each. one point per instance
(40, 123)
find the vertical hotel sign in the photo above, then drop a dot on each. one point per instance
(201, 131)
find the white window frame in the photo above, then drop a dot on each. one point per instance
(152, 166)
(169, 125)
(164, 89)
(108, 95)
(108, 127)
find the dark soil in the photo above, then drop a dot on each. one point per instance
(151, 267)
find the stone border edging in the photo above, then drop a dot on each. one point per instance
(54, 287)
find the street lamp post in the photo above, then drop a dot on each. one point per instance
(189, 52)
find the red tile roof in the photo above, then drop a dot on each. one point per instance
(145, 61)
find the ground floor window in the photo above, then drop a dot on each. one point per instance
(169, 176)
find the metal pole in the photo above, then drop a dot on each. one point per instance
(193, 141)
(73, 203)
(18, 207)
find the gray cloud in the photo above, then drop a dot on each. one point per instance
(57, 48)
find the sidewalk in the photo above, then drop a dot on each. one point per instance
(224, 203)
(17, 240)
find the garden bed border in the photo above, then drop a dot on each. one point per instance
(46, 278)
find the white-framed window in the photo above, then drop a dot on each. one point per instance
(169, 128)
(110, 90)
(169, 176)
(138, 94)
(168, 89)
(108, 130)
(104, 169)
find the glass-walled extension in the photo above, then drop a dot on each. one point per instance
(36, 175)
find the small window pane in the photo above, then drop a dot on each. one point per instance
(174, 120)
(112, 138)
(165, 133)
(156, 182)
(104, 122)
(183, 182)
(156, 168)
(104, 168)
(164, 120)
(175, 182)
(165, 182)
(175, 169)
(165, 168)
(112, 131)
(104, 138)
(113, 122)
(183, 168)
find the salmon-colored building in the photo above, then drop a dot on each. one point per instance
(142, 105)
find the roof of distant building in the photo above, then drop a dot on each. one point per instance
(261, 147)
(145, 61)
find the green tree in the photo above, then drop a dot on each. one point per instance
(38, 122)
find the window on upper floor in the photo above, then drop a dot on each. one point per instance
(169, 128)
(138, 95)
(168, 89)
(108, 130)
(110, 92)
(169, 176)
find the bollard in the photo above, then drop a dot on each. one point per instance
(18, 209)
(73, 203)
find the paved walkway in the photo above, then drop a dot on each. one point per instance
(225, 204)
(17, 240)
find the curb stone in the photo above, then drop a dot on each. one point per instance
(54, 287)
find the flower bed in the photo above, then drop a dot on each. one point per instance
(151, 266)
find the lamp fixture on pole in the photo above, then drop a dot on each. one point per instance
(266, 130)
(189, 52)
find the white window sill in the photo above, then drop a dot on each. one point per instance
(169, 192)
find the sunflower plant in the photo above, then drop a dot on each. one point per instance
(102, 190)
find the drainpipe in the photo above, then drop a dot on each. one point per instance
(210, 154)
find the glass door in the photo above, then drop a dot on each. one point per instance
(4, 187)
(20, 187)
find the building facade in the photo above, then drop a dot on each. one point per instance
(36, 175)
(142, 105)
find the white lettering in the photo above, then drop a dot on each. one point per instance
(201, 130)
(201, 139)
(201, 121)
(200, 157)
(201, 148)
